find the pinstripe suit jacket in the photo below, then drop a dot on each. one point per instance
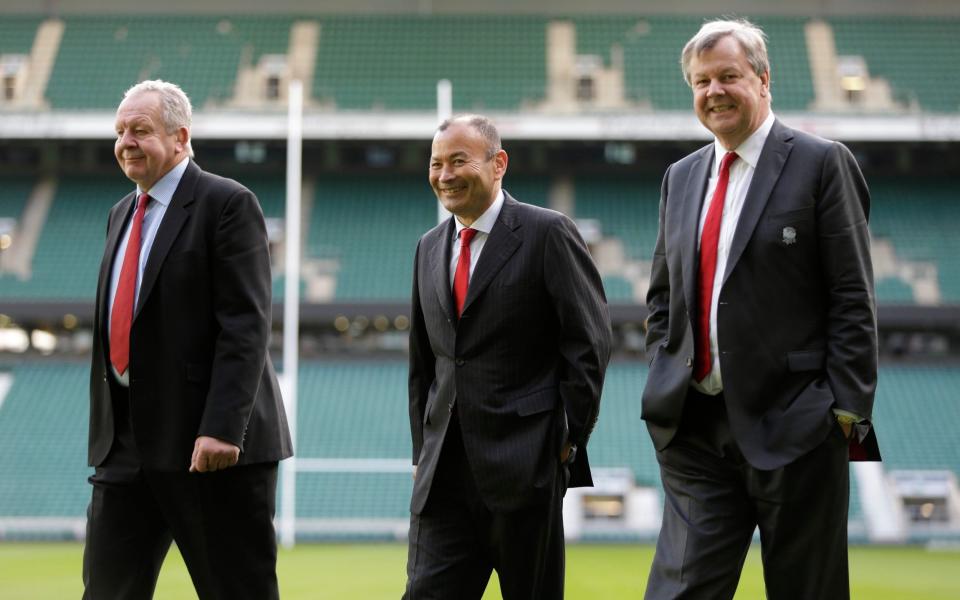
(524, 363)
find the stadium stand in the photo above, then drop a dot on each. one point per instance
(918, 216)
(43, 428)
(358, 410)
(371, 227)
(917, 410)
(651, 49)
(394, 62)
(13, 196)
(909, 52)
(16, 33)
(68, 253)
(202, 54)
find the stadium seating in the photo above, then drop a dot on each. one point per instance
(354, 72)
(358, 409)
(919, 217)
(202, 54)
(651, 48)
(67, 257)
(394, 62)
(916, 414)
(371, 226)
(17, 33)
(43, 449)
(911, 53)
(13, 196)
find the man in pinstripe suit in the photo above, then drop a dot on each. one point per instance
(510, 338)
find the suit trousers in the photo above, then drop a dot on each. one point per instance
(221, 521)
(456, 542)
(714, 500)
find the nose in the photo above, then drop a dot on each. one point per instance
(446, 174)
(714, 88)
(125, 140)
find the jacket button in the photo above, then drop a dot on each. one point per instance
(460, 362)
(689, 362)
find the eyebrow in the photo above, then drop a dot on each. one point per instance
(457, 154)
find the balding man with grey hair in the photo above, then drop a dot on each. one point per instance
(186, 421)
(762, 328)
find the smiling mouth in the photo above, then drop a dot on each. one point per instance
(452, 190)
(721, 108)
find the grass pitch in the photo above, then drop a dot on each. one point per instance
(35, 571)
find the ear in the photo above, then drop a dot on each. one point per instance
(183, 136)
(765, 83)
(500, 160)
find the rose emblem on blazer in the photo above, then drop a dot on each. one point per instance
(789, 236)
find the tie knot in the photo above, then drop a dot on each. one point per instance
(142, 201)
(466, 236)
(728, 159)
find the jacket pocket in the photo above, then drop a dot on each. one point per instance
(536, 402)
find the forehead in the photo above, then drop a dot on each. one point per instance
(727, 52)
(458, 138)
(143, 105)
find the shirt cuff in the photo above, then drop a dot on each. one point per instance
(847, 417)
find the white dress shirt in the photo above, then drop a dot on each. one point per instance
(160, 196)
(741, 174)
(483, 225)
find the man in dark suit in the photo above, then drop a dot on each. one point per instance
(763, 331)
(509, 342)
(186, 420)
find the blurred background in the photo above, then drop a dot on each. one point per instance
(592, 108)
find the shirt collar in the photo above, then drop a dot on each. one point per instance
(162, 191)
(749, 150)
(487, 220)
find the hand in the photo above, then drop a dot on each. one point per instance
(565, 453)
(211, 454)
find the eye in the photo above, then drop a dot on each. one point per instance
(458, 162)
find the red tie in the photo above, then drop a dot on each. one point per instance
(122, 313)
(462, 274)
(708, 267)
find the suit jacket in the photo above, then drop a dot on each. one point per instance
(524, 363)
(198, 341)
(796, 320)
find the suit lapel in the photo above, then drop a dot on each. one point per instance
(772, 158)
(439, 254)
(499, 247)
(177, 214)
(693, 203)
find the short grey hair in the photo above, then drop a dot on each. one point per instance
(750, 37)
(483, 125)
(175, 108)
